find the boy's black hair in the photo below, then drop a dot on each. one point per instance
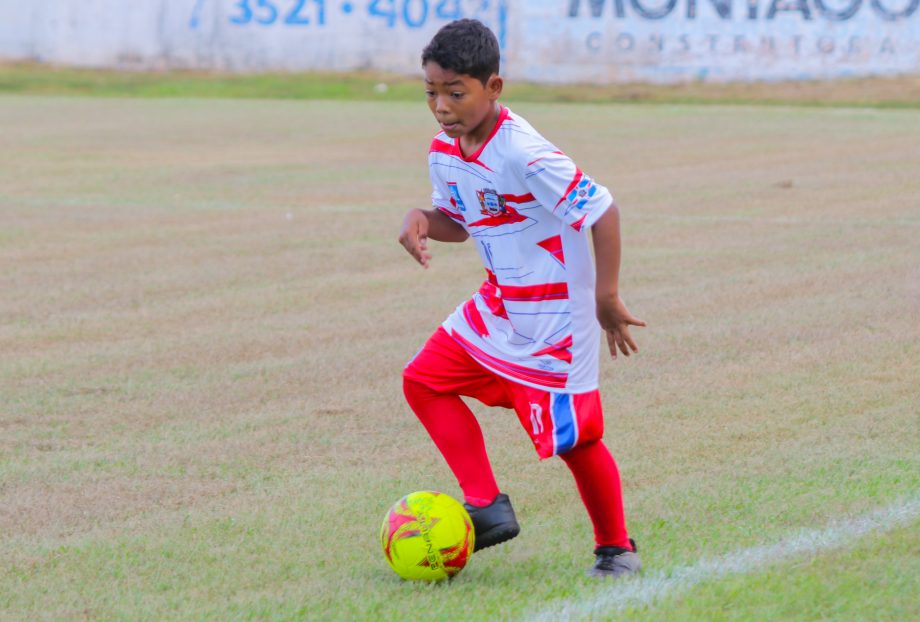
(465, 46)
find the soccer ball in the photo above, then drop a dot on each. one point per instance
(427, 536)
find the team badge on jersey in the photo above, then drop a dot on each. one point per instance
(492, 203)
(456, 201)
(497, 214)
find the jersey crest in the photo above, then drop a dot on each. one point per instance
(497, 213)
(492, 203)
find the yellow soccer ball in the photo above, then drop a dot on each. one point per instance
(427, 536)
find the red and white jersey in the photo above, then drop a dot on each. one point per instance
(528, 208)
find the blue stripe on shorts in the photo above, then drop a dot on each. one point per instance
(565, 431)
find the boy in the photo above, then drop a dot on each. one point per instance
(528, 339)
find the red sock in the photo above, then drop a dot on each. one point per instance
(454, 429)
(598, 482)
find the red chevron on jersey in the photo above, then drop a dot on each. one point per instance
(559, 350)
(513, 370)
(532, 162)
(571, 186)
(453, 149)
(439, 146)
(554, 246)
(507, 217)
(519, 198)
(452, 215)
(535, 293)
(474, 318)
(491, 295)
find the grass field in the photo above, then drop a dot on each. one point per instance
(204, 316)
(900, 92)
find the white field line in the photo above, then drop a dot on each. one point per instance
(651, 587)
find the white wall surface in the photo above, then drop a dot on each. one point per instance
(543, 40)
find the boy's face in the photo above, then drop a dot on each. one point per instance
(461, 103)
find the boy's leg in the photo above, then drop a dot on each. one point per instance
(598, 481)
(571, 426)
(433, 382)
(456, 433)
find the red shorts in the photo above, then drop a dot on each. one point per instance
(556, 422)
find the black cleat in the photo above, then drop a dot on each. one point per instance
(493, 523)
(614, 561)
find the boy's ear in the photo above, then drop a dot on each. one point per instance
(494, 86)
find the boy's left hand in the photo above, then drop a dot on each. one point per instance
(616, 319)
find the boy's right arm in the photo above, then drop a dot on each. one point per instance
(419, 225)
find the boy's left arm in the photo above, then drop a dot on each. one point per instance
(612, 314)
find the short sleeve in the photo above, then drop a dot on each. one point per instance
(563, 189)
(441, 199)
(438, 199)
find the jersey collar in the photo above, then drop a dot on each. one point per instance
(503, 115)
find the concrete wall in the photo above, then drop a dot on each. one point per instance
(542, 40)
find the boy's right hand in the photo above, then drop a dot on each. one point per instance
(413, 235)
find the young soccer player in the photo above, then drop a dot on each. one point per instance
(529, 338)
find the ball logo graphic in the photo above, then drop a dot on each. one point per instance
(427, 536)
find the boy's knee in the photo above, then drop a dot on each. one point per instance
(578, 449)
(590, 419)
(592, 430)
(589, 435)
